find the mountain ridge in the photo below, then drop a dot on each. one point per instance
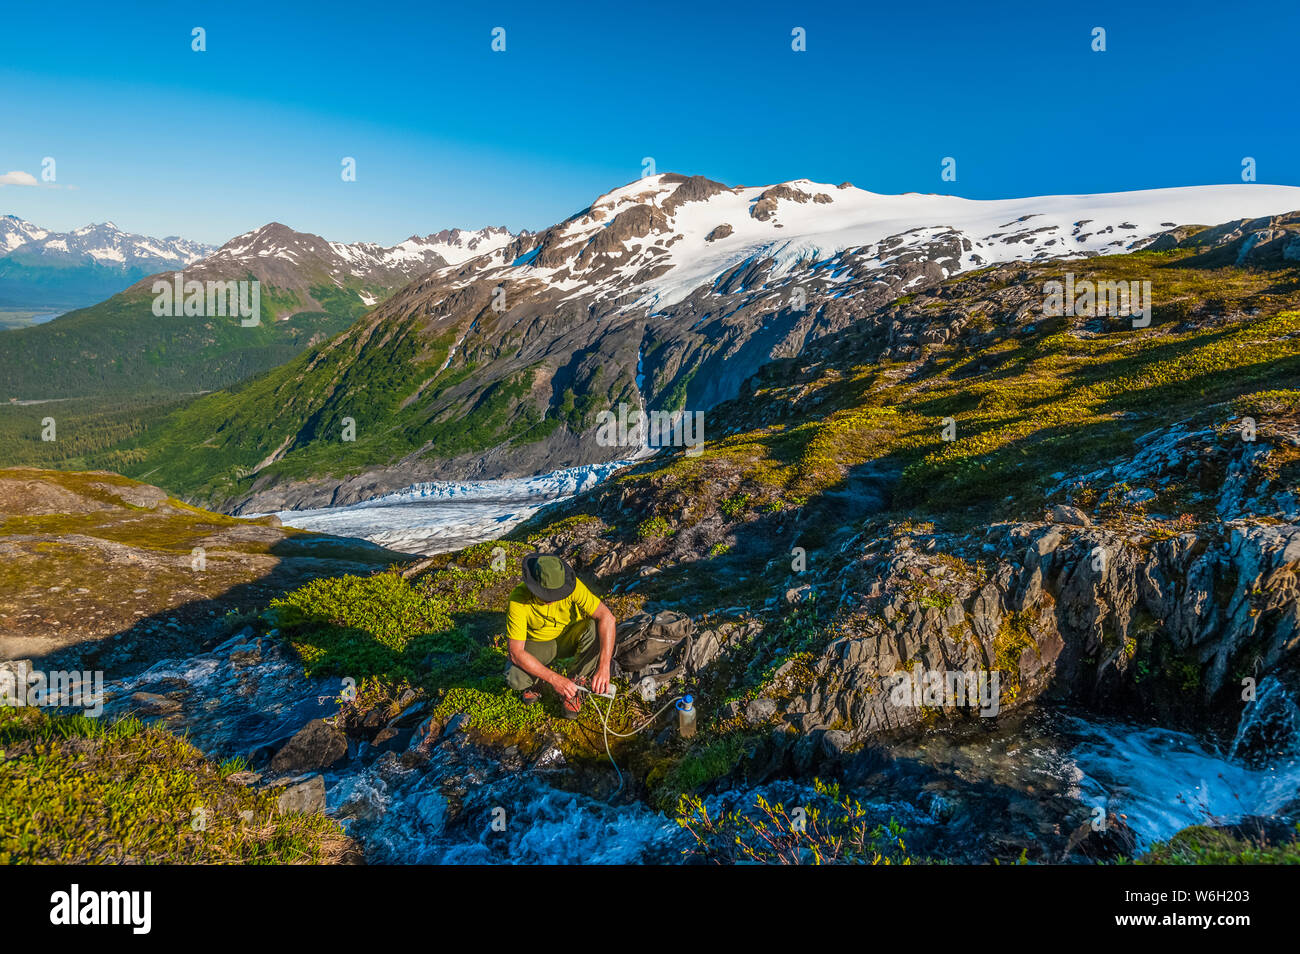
(497, 366)
(45, 268)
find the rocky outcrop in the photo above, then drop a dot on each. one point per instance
(317, 745)
(1124, 615)
(1270, 240)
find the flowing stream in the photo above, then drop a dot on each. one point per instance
(1031, 780)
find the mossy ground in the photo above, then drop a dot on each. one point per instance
(74, 790)
(1203, 845)
(106, 564)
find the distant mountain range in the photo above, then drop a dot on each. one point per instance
(40, 268)
(663, 294)
(311, 288)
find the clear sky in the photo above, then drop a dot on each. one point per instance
(445, 132)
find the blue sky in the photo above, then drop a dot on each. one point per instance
(163, 140)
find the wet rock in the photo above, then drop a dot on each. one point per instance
(1098, 840)
(454, 724)
(427, 731)
(551, 757)
(152, 703)
(392, 740)
(432, 811)
(409, 716)
(317, 745)
(305, 795)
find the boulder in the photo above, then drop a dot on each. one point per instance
(152, 703)
(1064, 513)
(759, 710)
(317, 745)
(306, 795)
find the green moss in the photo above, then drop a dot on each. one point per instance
(384, 628)
(654, 527)
(736, 505)
(701, 764)
(1012, 640)
(76, 791)
(1203, 845)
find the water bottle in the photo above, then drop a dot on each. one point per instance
(686, 717)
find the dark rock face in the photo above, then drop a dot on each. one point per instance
(316, 746)
(1271, 240)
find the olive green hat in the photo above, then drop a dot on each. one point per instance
(548, 577)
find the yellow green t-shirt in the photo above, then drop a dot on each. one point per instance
(527, 617)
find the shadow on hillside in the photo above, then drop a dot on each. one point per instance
(192, 627)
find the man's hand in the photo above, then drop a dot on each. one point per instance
(567, 688)
(600, 681)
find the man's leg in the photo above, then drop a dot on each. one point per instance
(544, 651)
(582, 644)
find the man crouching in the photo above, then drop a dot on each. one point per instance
(552, 615)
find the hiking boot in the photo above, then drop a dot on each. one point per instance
(531, 695)
(569, 708)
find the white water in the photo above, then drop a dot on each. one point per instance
(441, 516)
(1164, 781)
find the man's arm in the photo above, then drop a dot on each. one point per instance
(605, 624)
(538, 670)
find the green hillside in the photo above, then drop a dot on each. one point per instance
(120, 347)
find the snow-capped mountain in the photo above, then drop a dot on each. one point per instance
(295, 260)
(310, 289)
(39, 267)
(104, 243)
(43, 268)
(665, 293)
(654, 242)
(15, 232)
(454, 246)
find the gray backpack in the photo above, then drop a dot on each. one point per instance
(654, 647)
